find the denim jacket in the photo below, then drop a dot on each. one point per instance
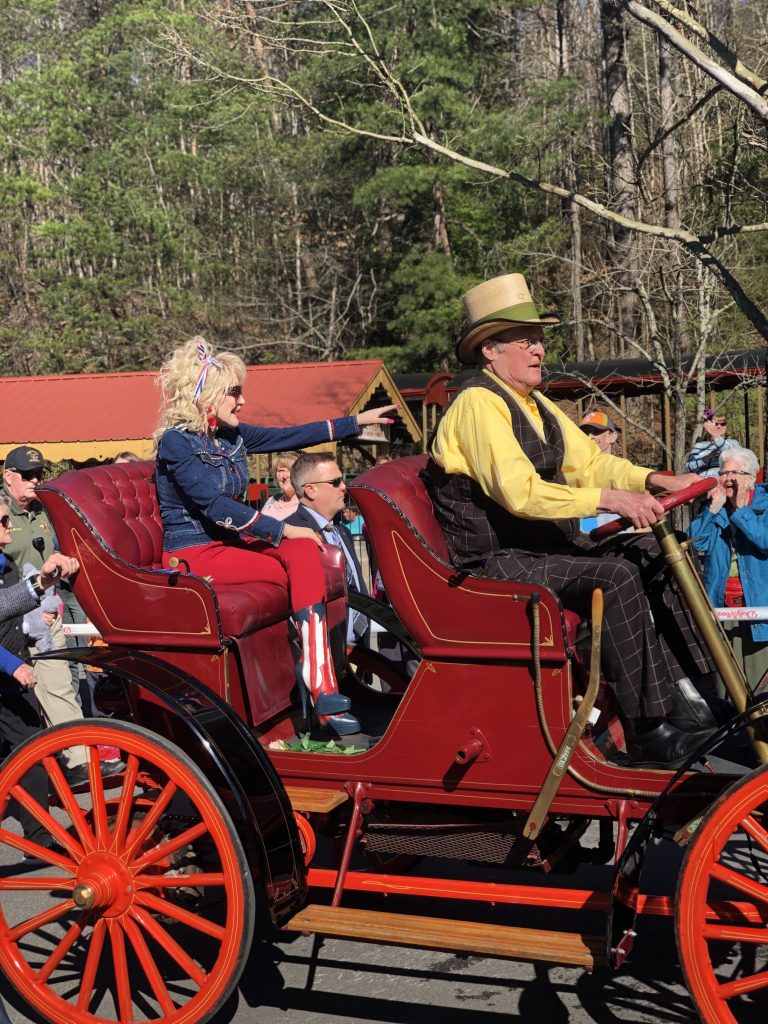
(202, 482)
(716, 535)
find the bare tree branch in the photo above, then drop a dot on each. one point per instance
(745, 92)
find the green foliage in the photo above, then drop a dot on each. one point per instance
(162, 176)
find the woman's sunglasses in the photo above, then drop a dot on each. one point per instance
(5, 522)
(235, 392)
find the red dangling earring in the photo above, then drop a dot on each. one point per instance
(210, 416)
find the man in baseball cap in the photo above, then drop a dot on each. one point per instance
(24, 459)
(601, 428)
(32, 543)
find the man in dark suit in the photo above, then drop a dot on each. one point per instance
(317, 480)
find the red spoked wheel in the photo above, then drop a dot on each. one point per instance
(143, 908)
(721, 916)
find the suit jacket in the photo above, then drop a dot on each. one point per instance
(301, 517)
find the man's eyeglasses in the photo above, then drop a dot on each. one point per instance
(31, 474)
(720, 423)
(235, 392)
(336, 482)
(5, 522)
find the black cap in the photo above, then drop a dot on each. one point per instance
(24, 458)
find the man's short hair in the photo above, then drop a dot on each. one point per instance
(305, 467)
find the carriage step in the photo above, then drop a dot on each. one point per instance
(321, 801)
(447, 934)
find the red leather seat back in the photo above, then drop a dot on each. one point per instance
(109, 518)
(449, 614)
(122, 508)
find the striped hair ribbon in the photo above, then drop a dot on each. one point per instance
(208, 362)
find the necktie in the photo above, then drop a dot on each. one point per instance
(358, 621)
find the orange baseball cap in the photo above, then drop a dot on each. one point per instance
(597, 422)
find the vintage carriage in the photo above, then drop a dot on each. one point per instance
(500, 751)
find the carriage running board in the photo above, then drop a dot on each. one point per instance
(321, 801)
(570, 948)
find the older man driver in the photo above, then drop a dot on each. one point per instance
(510, 475)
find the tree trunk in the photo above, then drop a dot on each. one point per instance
(623, 190)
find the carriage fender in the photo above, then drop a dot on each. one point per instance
(184, 711)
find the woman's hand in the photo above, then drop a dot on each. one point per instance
(717, 499)
(25, 676)
(302, 533)
(744, 485)
(380, 415)
(56, 567)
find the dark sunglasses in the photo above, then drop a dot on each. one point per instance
(31, 474)
(336, 482)
(5, 522)
(235, 392)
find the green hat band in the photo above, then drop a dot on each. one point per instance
(523, 311)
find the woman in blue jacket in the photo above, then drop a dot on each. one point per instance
(731, 534)
(202, 480)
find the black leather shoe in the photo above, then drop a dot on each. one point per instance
(663, 746)
(78, 776)
(690, 712)
(332, 704)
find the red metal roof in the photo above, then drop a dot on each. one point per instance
(102, 407)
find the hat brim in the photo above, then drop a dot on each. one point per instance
(477, 333)
(590, 428)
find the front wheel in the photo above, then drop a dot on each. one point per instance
(721, 913)
(139, 904)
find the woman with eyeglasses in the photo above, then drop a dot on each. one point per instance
(202, 481)
(704, 457)
(731, 534)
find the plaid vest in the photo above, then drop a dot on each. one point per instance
(474, 525)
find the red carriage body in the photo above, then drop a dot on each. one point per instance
(463, 754)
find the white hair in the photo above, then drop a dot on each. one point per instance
(747, 458)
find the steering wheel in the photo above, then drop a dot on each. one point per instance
(668, 501)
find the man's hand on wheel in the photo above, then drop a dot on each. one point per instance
(641, 509)
(671, 484)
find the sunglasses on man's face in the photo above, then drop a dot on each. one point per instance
(336, 482)
(720, 423)
(31, 474)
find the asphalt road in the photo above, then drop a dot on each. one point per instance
(296, 979)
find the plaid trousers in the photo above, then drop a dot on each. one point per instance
(649, 636)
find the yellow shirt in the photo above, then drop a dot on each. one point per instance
(475, 437)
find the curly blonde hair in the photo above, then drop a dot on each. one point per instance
(178, 378)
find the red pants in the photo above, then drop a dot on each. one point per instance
(294, 564)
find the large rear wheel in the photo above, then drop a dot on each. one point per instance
(140, 906)
(721, 914)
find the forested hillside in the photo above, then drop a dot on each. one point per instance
(272, 174)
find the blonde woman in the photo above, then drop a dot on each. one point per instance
(286, 502)
(202, 479)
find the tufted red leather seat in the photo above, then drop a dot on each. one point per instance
(444, 610)
(108, 516)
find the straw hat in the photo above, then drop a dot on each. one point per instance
(492, 306)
